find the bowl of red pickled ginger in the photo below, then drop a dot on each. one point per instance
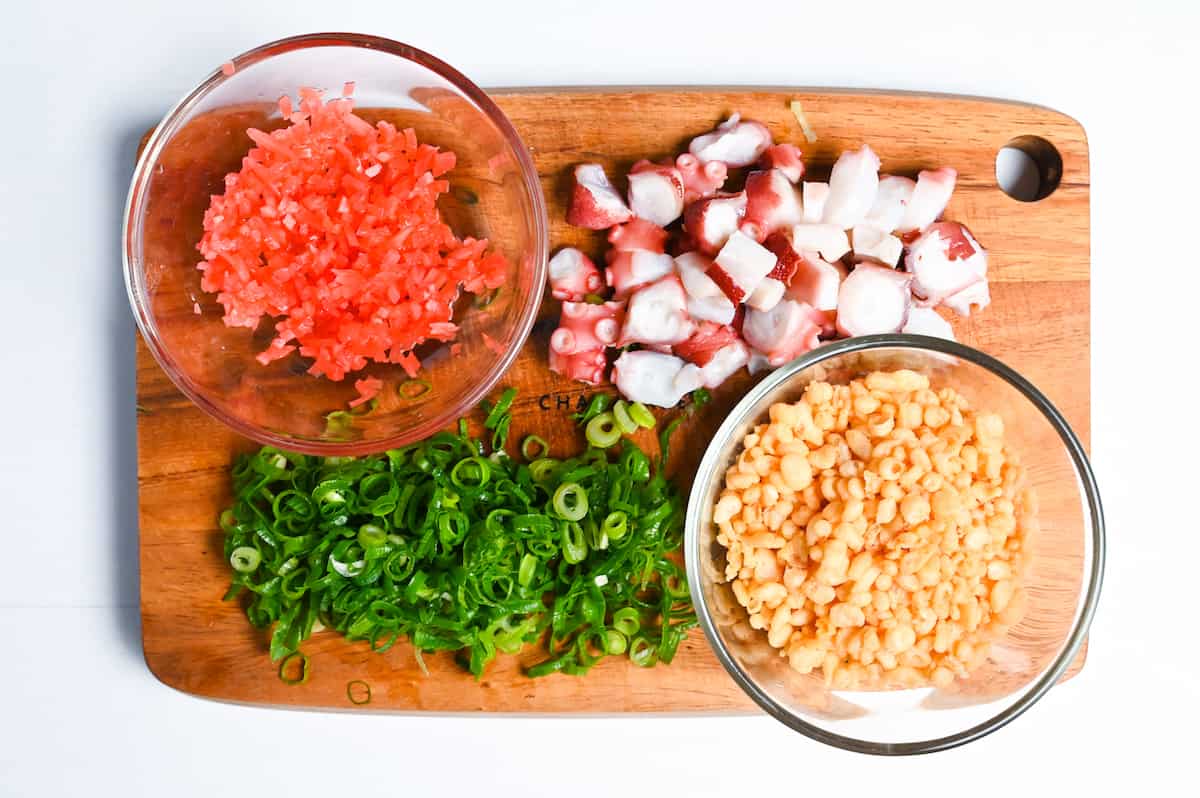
(335, 244)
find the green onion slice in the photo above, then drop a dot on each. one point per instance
(641, 415)
(624, 420)
(534, 447)
(359, 696)
(411, 390)
(602, 431)
(245, 559)
(570, 501)
(286, 670)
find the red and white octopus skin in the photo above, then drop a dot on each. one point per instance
(638, 234)
(946, 262)
(783, 333)
(700, 180)
(573, 276)
(710, 221)
(853, 185)
(772, 204)
(656, 192)
(717, 349)
(595, 203)
(740, 266)
(929, 198)
(577, 347)
(787, 158)
(630, 269)
(734, 142)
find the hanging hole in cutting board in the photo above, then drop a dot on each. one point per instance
(1028, 168)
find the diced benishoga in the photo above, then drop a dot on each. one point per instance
(655, 378)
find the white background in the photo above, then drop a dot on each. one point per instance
(80, 712)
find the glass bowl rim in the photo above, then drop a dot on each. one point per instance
(1083, 472)
(173, 121)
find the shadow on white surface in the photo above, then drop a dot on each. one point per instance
(122, 408)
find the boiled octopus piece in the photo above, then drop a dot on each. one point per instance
(891, 202)
(766, 294)
(787, 158)
(735, 142)
(724, 363)
(655, 378)
(638, 234)
(740, 266)
(976, 294)
(657, 315)
(853, 185)
(772, 203)
(709, 222)
(705, 342)
(656, 192)
(595, 204)
(783, 333)
(629, 269)
(874, 244)
(927, 321)
(705, 299)
(830, 240)
(585, 331)
(929, 198)
(700, 180)
(816, 281)
(943, 261)
(873, 299)
(813, 196)
(573, 275)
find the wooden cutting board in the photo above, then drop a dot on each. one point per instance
(1038, 322)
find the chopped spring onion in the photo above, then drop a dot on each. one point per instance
(614, 642)
(626, 621)
(701, 397)
(457, 549)
(528, 450)
(615, 525)
(624, 420)
(602, 431)
(641, 415)
(359, 696)
(245, 559)
(411, 390)
(596, 406)
(570, 501)
(286, 671)
(642, 652)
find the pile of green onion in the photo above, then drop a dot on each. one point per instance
(458, 549)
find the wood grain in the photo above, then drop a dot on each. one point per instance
(1038, 323)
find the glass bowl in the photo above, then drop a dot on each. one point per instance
(494, 193)
(1062, 585)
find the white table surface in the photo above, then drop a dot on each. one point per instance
(79, 712)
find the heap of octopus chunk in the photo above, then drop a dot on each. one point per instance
(701, 281)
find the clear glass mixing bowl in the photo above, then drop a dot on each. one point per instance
(1062, 585)
(495, 194)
